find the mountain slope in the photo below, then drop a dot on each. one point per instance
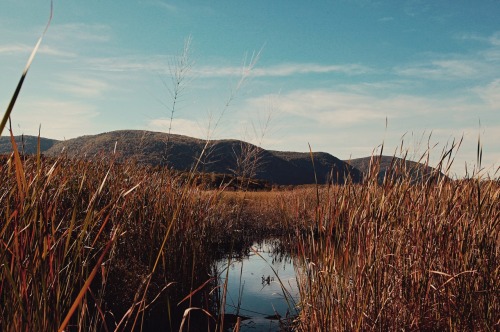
(327, 167)
(397, 167)
(220, 156)
(27, 144)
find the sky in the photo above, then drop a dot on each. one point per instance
(345, 76)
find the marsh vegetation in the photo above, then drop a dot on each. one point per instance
(103, 246)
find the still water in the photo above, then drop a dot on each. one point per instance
(261, 287)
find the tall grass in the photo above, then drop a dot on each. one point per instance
(51, 246)
(70, 226)
(401, 255)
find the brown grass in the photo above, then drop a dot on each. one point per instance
(80, 240)
(399, 256)
(69, 226)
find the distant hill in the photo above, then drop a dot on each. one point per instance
(221, 156)
(27, 144)
(328, 168)
(233, 157)
(398, 167)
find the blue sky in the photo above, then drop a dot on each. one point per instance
(328, 73)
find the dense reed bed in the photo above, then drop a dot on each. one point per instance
(90, 245)
(104, 246)
(398, 255)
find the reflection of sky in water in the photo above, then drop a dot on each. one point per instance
(260, 298)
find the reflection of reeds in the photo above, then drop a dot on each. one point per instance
(292, 306)
(276, 248)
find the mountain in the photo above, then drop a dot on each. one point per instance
(26, 143)
(398, 168)
(233, 157)
(219, 156)
(327, 167)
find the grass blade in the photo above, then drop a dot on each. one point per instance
(86, 286)
(23, 76)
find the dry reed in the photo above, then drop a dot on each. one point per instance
(401, 255)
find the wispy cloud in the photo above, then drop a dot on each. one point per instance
(337, 109)
(15, 49)
(482, 63)
(160, 63)
(64, 41)
(329, 118)
(490, 94)
(153, 63)
(59, 119)
(493, 40)
(283, 70)
(445, 69)
(78, 86)
(82, 32)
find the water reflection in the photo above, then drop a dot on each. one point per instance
(261, 287)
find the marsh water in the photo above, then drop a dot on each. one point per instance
(260, 282)
(261, 287)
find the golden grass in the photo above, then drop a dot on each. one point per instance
(69, 227)
(400, 256)
(80, 240)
